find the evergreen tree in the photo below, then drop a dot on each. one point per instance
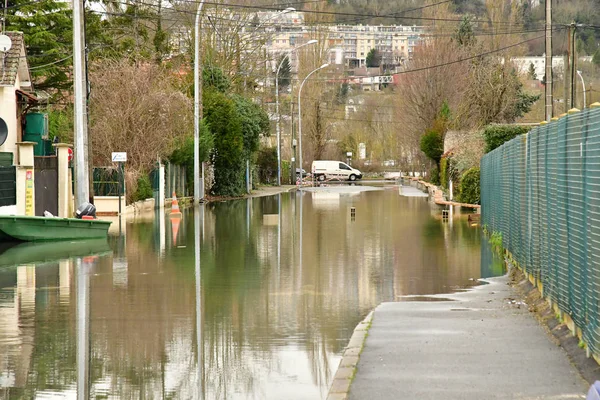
(373, 59)
(285, 73)
(531, 73)
(47, 29)
(596, 58)
(465, 35)
(48, 32)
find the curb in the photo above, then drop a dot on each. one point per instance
(340, 386)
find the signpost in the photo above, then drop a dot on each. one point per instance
(70, 151)
(120, 158)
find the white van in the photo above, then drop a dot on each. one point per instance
(322, 170)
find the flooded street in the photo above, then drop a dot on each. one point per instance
(264, 310)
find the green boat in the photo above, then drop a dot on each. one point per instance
(44, 252)
(38, 229)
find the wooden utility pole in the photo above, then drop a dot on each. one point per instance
(548, 96)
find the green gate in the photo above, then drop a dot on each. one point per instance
(8, 186)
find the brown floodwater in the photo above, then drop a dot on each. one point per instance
(264, 310)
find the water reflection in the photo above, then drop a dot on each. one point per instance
(249, 299)
(198, 228)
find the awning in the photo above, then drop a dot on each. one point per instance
(30, 98)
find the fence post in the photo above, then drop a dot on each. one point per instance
(161, 185)
(25, 179)
(64, 183)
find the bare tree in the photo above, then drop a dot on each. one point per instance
(137, 109)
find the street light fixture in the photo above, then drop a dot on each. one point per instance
(313, 41)
(582, 84)
(300, 115)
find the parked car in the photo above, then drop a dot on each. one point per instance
(324, 169)
(304, 173)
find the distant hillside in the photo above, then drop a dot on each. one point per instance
(529, 14)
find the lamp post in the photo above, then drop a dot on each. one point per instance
(582, 84)
(313, 41)
(248, 186)
(300, 115)
(198, 182)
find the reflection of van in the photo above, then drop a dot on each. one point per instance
(322, 170)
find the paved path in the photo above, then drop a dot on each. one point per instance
(262, 191)
(485, 345)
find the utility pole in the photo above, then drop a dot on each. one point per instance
(549, 60)
(4, 20)
(293, 146)
(572, 63)
(82, 185)
(198, 169)
(567, 76)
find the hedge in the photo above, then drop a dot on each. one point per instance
(469, 187)
(496, 135)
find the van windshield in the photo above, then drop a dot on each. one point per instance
(344, 166)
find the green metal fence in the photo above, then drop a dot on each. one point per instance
(108, 181)
(542, 192)
(8, 186)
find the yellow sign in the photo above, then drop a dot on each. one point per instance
(29, 206)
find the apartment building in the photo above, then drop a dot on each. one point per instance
(395, 43)
(279, 33)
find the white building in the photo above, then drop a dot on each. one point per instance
(15, 83)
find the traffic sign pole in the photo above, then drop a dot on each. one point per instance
(120, 158)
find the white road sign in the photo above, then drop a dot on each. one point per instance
(119, 157)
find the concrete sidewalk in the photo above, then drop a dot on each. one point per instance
(483, 345)
(262, 191)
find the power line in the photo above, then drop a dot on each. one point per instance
(334, 13)
(52, 63)
(339, 13)
(400, 12)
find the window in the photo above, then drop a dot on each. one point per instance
(344, 166)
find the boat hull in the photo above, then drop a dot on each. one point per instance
(42, 229)
(19, 253)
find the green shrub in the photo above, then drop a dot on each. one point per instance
(228, 151)
(432, 144)
(444, 181)
(496, 135)
(469, 187)
(496, 242)
(184, 152)
(144, 189)
(434, 176)
(285, 172)
(267, 165)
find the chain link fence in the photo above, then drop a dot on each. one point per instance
(541, 191)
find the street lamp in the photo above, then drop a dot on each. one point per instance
(300, 115)
(582, 84)
(198, 182)
(313, 41)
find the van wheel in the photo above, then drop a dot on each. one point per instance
(352, 177)
(322, 178)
